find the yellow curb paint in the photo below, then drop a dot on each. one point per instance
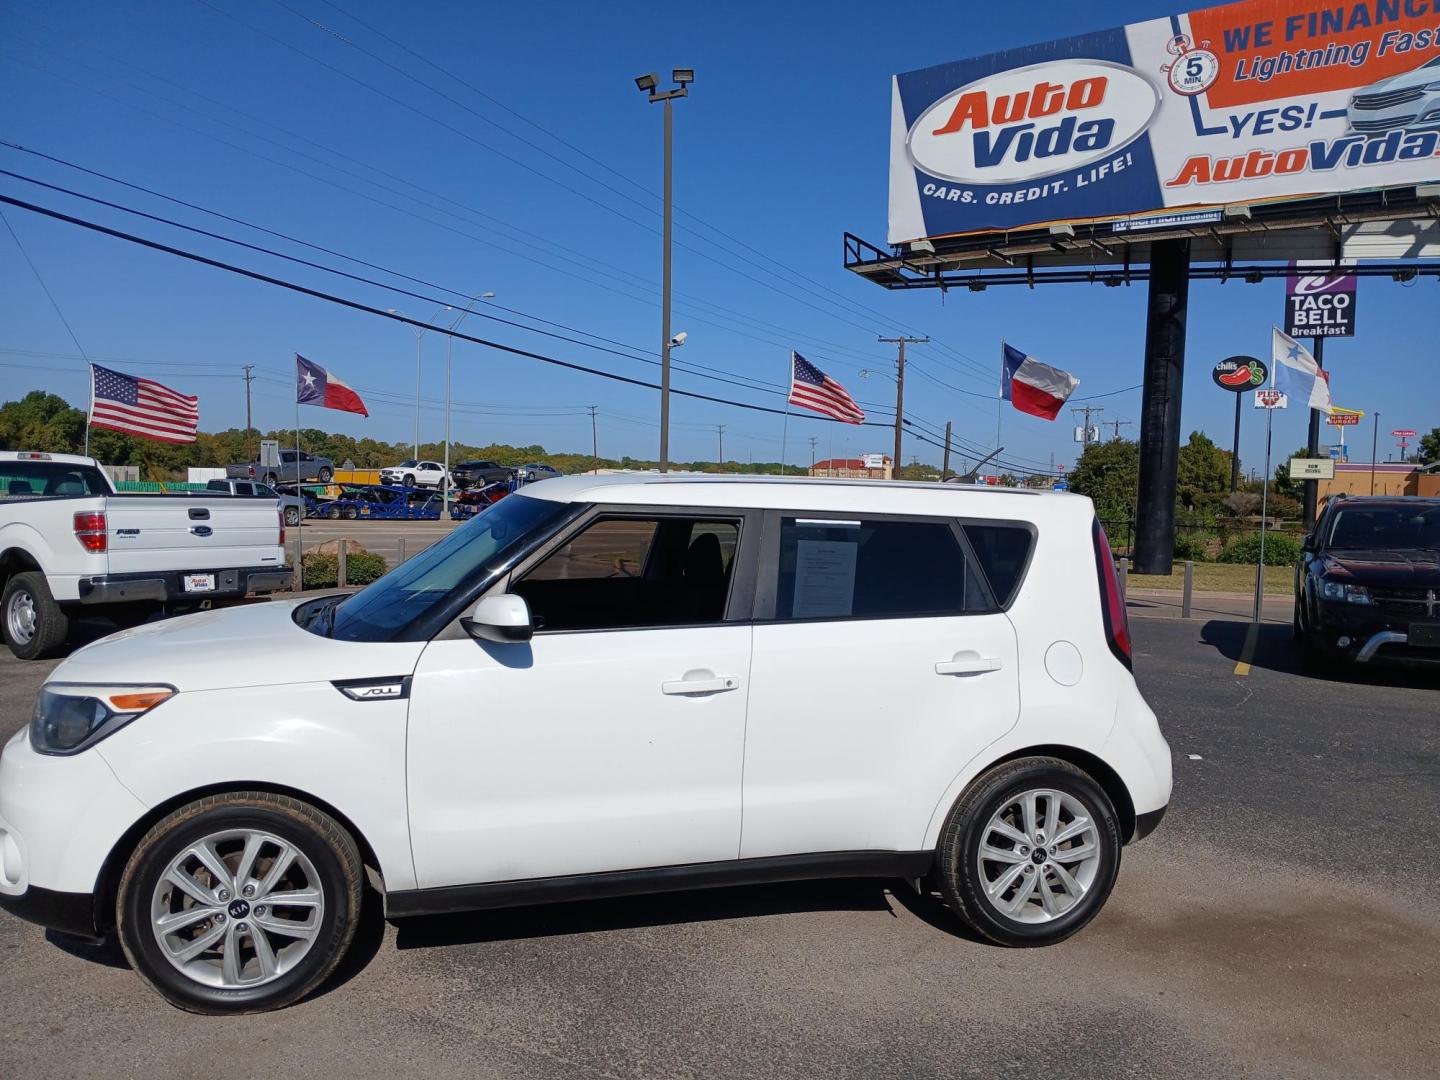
(1247, 654)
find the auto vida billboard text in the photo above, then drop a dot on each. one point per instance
(1260, 100)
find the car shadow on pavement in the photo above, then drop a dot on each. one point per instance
(1276, 650)
(631, 912)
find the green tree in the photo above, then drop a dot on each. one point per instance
(1109, 473)
(1204, 473)
(42, 422)
(1429, 447)
(1282, 482)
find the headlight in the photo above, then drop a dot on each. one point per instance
(70, 717)
(1338, 590)
(1430, 87)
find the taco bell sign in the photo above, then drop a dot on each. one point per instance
(1319, 302)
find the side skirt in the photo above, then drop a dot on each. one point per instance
(553, 890)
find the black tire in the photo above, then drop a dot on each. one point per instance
(332, 512)
(319, 838)
(27, 600)
(409, 480)
(271, 479)
(292, 516)
(350, 513)
(324, 475)
(959, 870)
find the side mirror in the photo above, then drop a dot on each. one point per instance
(504, 618)
(1307, 542)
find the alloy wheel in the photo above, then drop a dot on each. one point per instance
(237, 909)
(1038, 855)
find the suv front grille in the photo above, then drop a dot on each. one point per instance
(1407, 603)
(1386, 100)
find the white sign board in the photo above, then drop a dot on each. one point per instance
(824, 578)
(874, 461)
(1312, 468)
(269, 452)
(1271, 399)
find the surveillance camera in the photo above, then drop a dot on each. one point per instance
(678, 339)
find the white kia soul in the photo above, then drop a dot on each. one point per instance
(601, 687)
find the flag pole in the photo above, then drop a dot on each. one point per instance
(1000, 398)
(785, 430)
(299, 544)
(89, 408)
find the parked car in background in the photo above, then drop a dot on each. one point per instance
(292, 505)
(413, 473)
(292, 468)
(583, 692)
(478, 473)
(1367, 586)
(528, 474)
(69, 543)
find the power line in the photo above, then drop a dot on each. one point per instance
(44, 288)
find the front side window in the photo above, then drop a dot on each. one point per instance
(629, 573)
(873, 569)
(403, 601)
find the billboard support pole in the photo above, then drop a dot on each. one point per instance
(1235, 451)
(1307, 506)
(1169, 294)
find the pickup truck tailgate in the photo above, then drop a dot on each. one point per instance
(178, 532)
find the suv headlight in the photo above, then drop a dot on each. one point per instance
(1338, 590)
(69, 717)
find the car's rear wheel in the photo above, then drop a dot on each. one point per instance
(292, 516)
(1030, 852)
(241, 902)
(271, 479)
(34, 625)
(324, 475)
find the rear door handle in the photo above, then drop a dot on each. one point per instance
(972, 665)
(712, 685)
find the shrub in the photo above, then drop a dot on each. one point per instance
(1280, 550)
(321, 571)
(1191, 548)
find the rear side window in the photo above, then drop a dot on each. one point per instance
(56, 479)
(1004, 552)
(868, 569)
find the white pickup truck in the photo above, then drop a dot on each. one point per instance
(69, 542)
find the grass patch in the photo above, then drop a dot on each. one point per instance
(1219, 577)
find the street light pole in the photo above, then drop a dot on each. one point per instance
(649, 84)
(419, 332)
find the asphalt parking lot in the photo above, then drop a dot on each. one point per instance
(1284, 921)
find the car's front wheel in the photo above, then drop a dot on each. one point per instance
(240, 902)
(1030, 852)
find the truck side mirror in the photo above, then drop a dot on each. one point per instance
(1307, 542)
(504, 618)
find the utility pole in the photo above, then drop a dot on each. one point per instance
(1117, 425)
(249, 377)
(594, 443)
(945, 461)
(1312, 444)
(813, 440)
(720, 434)
(901, 341)
(1084, 439)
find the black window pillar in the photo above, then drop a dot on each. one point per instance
(1160, 406)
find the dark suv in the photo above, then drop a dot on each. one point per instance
(469, 474)
(1367, 588)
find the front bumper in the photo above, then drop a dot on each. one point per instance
(1366, 635)
(167, 585)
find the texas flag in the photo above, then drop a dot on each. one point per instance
(1294, 372)
(316, 386)
(1033, 387)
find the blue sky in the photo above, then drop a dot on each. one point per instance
(782, 147)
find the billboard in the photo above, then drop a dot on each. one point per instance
(1319, 301)
(1255, 101)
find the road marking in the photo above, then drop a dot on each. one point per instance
(1247, 654)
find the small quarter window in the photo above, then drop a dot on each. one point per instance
(1003, 551)
(873, 569)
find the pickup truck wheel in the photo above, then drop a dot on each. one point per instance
(35, 626)
(1030, 852)
(241, 902)
(271, 479)
(324, 475)
(292, 516)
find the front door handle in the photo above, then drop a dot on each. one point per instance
(969, 665)
(700, 683)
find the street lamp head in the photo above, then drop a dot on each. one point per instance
(683, 76)
(647, 83)
(487, 296)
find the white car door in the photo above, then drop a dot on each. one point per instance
(612, 740)
(881, 665)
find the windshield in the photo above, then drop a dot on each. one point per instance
(408, 463)
(1388, 528)
(444, 572)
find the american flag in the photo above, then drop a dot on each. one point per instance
(137, 406)
(812, 388)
